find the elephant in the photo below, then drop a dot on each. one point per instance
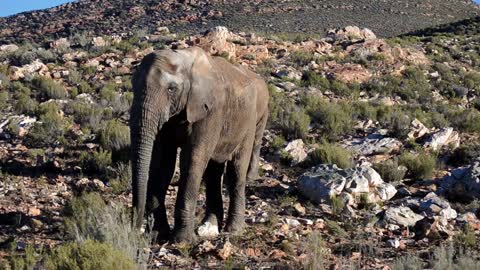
(215, 113)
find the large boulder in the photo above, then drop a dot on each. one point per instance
(445, 136)
(216, 42)
(326, 181)
(351, 33)
(373, 144)
(402, 216)
(463, 183)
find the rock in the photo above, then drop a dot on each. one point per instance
(19, 125)
(402, 216)
(445, 136)
(287, 72)
(322, 183)
(417, 129)
(8, 48)
(208, 230)
(460, 91)
(99, 42)
(162, 30)
(224, 250)
(470, 219)
(433, 205)
(29, 69)
(373, 144)
(292, 223)
(90, 185)
(349, 73)
(33, 211)
(351, 33)
(216, 42)
(301, 211)
(394, 243)
(60, 43)
(296, 150)
(463, 183)
(326, 181)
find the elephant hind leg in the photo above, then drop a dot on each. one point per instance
(162, 169)
(214, 208)
(257, 144)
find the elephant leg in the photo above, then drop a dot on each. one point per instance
(236, 174)
(161, 172)
(192, 165)
(213, 181)
(257, 144)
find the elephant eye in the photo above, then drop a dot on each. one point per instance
(172, 88)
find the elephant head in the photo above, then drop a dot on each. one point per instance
(165, 83)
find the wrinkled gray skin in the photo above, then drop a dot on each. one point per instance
(216, 114)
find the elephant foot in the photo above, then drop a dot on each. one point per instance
(184, 235)
(252, 177)
(161, 235)
(235, 227)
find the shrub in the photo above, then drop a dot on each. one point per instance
(408, 262)
(88, 255)
(87, 115)
(49, 88)
(295, 124)
(74, 77)
(464, 154)
(301, 58)
(96, 161)
(115, 135)
(334, 119)
(84, 88)
(4, 97)
(328, 153)
(311, 78)
(50, 128)
(21, 262)
(316, 251)
(390, 171)
(466, 120)
(88, 217)
(420, 166)
(451, 258)
(278, 143)
(339, 88)
(123, 179)
(25, 105)
(400, 125)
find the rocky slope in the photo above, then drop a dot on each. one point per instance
(99, 17)
(370, 160)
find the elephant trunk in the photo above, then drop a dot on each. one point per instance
(145, 124)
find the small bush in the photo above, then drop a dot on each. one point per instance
(4, 97)
(420, 166)
(88, 217)
(451, 258)
(123, 180)
(341, 89)
(50, 128)
(390, 171)
(301, 58)
(317, 252)
(26, 261)
(400, 125)
(464, 154)
(49, 88)
(96, 162)
(408, 262)
(311, 78)
(337, 205)
(295, 124)
(334, 119)
(278, 143)
(87, 115)
(115, 135)
(25, 105)
(88, 255)
(328, 153)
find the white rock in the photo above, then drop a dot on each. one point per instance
(208, 230)
(373, 144)
(292, 222)
(395, 243)
(402, 216)
(296, 150)
(386, 191)
(445, 136)
(8, 48)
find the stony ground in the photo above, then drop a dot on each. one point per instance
(370, 160)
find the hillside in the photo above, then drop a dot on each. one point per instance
(103, 17)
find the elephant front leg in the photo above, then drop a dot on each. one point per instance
(162, 169)
(192, 165)
(236, 174)
(257, 144)
(213, 219)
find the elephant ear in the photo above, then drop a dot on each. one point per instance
(201, 99)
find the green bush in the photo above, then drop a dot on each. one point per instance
(50, 128)
(302, 58)
(390, 171)
(4, 97)
(49, 88)
(87, 115)
(340, 89)
(311, 78)
(96, 161)
(418, 166)
(25, 105)
(26, 261)
(334, 119)
(400, 125)
(88, 255)
(88, 217)
(295, 124)
(115, 135)
(464, 154)
(328, 153)
(123, 178)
